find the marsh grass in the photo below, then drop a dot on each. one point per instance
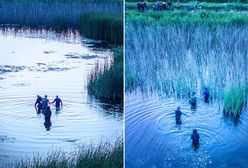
(105, 26)
(190, 18)
(234, 100)
(64, 14)
(176, 59)
(106, 83)
(102, 155)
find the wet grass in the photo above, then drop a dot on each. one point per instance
(106, 83)
(107, 27)
(234, 100)
(103, 155)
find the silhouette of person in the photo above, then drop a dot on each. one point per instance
(206, 94)
(48, 122)
(57, 102)
(195, 139)
(178, 114)
(44, 103)
(38, 104)
(193, 100)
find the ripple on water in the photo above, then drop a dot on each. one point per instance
(151, 130)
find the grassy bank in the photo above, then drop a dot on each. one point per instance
(104, 155)
(107, 27)
(60, 14)
(107, 84)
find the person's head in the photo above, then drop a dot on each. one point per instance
(178, 108)
(193, 93)
(38, 95)
(195, 131)
(45, 96)
(57, 96)
(206, 88)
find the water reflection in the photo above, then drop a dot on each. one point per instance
(42, 68)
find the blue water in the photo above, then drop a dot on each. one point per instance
(44, 62)
(154, 140)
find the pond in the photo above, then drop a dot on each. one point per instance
(153, 139)
(44, 62)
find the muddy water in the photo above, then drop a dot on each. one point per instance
(44, 62)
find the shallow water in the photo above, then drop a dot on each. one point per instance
(153, 139)
(43, 62)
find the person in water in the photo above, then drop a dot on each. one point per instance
(44, 103)
(178, 114)
(193, 100)
(48, 114)
(195, 139)
(206, 94)
(57, 102)
(38, 104)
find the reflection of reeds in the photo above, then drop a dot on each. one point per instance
(106, 83)
(234, 99)
(175, 59)
(104, 155)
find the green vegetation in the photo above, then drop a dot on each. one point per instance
(234, 99)
(188, 1)
(106, 83)
(183, 51)
(184, 17)
(104, 155)
(65, 14)
(107, 27)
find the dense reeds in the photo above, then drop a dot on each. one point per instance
(176, 59)
(234, 99)
(103, 155)
(103, 26)
(65, 14)
(185, 17)
(106, 83)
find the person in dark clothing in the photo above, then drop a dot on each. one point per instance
(44, 103)
(38, 104)
(47, 114)
(178, 114)
(57, 102)
(193, 100)
(195, 139)
(206, 94)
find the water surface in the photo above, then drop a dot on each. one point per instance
(43, 62)
(153, 139)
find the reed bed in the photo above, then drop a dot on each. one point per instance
(106, 83)
(103, 155)
(54, 14)
(108, 27)
(176, 59)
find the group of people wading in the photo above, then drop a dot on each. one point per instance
(42, 106)
(193, 102)
(143, 6)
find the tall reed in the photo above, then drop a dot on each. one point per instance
(106, 83)
(103, 155)
(175, 59)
